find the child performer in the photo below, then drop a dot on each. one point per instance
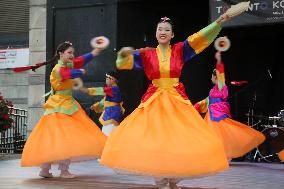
(111, 105)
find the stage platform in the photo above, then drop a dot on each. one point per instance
(90, 174)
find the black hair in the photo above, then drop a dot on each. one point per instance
(113, 74)
(168, 20)
(214, 72)
(60, 48)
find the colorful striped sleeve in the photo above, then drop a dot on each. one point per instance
(130, 62)
(197, 42)
(99, 106)
(67, 73)
(202, 106)
(96, 91)
(81, 61)
(220, 72)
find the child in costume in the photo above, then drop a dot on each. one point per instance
(111, 105)
(165, 137)
(237, 138)
(64, 133)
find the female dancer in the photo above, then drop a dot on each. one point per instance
(237, 138)
(165, 137)
(65, 133)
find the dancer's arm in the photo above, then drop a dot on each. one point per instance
(67, 73)
(128, 59)
(220, 71)
(98, 107)
(197, 42)
(202, 106)
(98, 91)
(82, 60)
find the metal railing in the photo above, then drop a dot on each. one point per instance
(12, 140)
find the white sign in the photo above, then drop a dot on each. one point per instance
(259, 12)
(11, 58)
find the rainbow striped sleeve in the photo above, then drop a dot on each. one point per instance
(220, 72)
(99, 106)
(202, 106)
(81, 61)
(94, 91)
(67, 73)
(130, 62)
(197, 42)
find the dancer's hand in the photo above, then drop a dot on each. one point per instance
(223, 18)
(84, 90)
(125, 51)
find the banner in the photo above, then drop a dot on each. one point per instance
(259, 12)
(11, 58)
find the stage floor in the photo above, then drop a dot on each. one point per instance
(91, 175)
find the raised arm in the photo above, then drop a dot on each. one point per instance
(197, 42)
(220, 71)
(82, 60)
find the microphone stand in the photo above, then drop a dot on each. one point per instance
(262, 78)
(251, 109)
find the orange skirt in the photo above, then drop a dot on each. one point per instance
(238, 139)
(281, 155)
(167, 138)
(58, 136)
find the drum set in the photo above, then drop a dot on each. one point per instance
(273, 129)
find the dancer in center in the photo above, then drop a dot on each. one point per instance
(165, 137)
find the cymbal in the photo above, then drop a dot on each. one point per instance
(257, 116)
(264, 117)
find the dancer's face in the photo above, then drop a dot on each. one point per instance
(214, 79)
(164, 33)
(110, 81)
(67, 55)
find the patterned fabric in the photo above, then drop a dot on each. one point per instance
(61, 80)
(219, 108)
(169, 65)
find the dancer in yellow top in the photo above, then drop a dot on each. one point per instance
(65, 133)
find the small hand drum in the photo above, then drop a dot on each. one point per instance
(78, 83)
(100, 42)
(237, 9)
(222, 44)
